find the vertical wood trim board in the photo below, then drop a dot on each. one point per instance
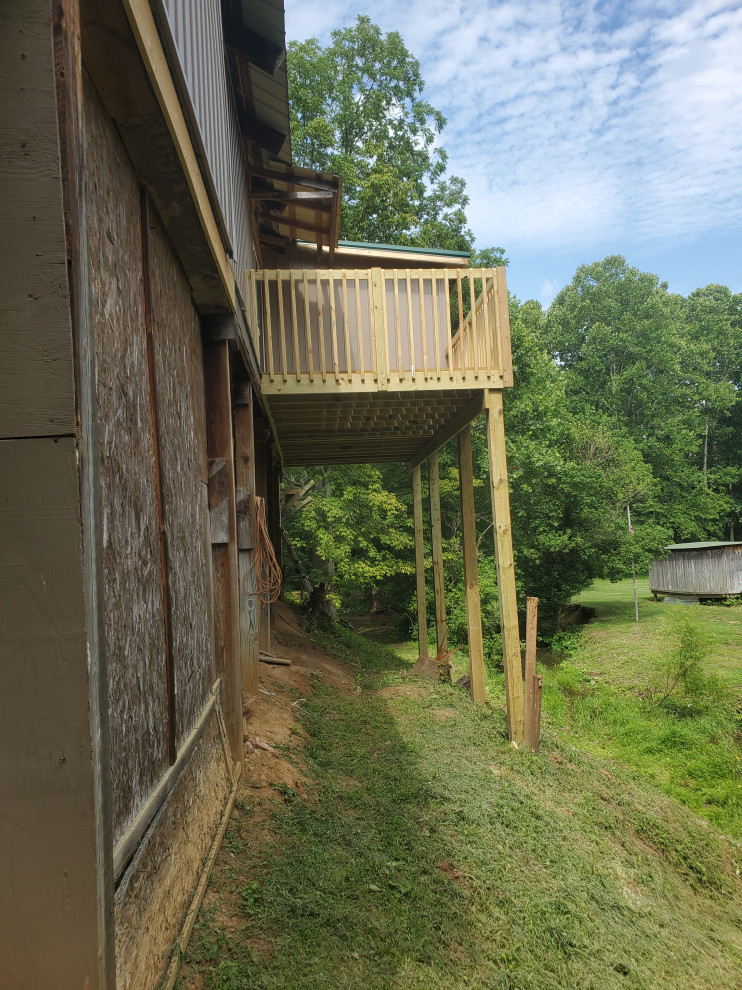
(219, 445)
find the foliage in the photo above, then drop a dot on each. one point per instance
(354, 531)
(357, 110)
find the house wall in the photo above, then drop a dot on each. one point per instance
(156, 555)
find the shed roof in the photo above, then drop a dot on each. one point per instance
(703, 546)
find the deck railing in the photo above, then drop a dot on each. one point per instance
(380, 329)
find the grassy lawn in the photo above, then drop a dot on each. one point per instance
(430, 854)
(604, 698)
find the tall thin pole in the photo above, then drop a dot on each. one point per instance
(633, 564)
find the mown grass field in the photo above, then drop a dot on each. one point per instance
(431, 854)
(604, 697)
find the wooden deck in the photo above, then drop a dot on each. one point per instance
(370, 365)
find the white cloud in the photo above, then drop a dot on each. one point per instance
(577, 123)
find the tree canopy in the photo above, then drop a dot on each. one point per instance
(357, 109)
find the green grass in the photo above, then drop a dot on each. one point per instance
(605, 699)
(433, 855)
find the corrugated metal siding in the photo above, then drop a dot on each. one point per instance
(196, 30)
(699, 572)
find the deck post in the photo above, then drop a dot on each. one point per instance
(505, 566)
(219, 446)
(441, 628)
(471, 568)
(417, 508)
(262, 471)
(248, 592)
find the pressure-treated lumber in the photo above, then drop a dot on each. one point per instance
(505, 566)
(471, 568)
(530, 675)
(422, 618)
(219, 445)
(248, 599)
(439, 586)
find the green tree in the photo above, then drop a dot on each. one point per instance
(633, 352)
(357, 109)
(353, 532)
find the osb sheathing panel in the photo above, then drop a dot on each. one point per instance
(133, 604)
(156, 891)
(181, 425)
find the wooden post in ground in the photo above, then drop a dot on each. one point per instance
(505, 566)
(471, 568)
(245, 493)
(417, 509)
(262, 469)
(530, 677)
(224, 536)
(441, 628)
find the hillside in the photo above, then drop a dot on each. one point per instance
(396, 840)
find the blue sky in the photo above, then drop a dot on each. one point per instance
(582, 128)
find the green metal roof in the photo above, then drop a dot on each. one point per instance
(703, 546)
(403, 248)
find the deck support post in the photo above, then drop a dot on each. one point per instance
(505, 566)
(219, 447)
(417, 508)
(262, 472)
(248, 594)
(441, 627)
(471, 568)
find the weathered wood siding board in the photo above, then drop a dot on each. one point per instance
(156, 890)
(48, 899)
(713, 572)
(182, 433)
(132, 586)
(36, 380)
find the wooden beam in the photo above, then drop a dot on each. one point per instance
(248, 587)
(292, 178)
(417, 509)
(471, 568)
(219, 446)
(292, 197)
(439, 587)
(454, 426)
(505, 565)
(529, 717)
(262, 469)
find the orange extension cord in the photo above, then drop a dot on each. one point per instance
(268, 576)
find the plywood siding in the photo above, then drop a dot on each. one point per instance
(133, 602)
(36, 380)
(48, 891)
(156, 891)
(181, 425)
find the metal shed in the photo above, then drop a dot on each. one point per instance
(698, 570)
